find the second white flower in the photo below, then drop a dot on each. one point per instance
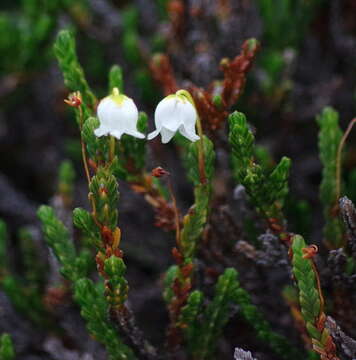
(175, 113)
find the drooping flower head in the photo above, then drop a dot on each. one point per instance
(118, 115)
(176, 112)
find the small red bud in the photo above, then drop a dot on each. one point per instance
(74, 99)
(310, 251)
(159, 172)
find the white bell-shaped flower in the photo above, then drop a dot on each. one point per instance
(174, 113)
(118, 115)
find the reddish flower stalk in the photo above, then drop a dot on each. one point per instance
(338, 163)
(165, 214)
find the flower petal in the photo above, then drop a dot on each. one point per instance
(116, 133)
(126, 116)
(188, 114)
(118, 114)
(135, 133)
(101, 130)
(189, 133)
(167, 114)
(175, 112)
(153, 134)
(166, 135)
(104, 111)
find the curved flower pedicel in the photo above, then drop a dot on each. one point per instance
(118, 115)
(174, 113)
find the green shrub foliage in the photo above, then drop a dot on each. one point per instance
(202, 290)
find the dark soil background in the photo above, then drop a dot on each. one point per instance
(37, 132)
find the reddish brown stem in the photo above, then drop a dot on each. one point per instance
(84, 156)
(338, 160)
(176, 211)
